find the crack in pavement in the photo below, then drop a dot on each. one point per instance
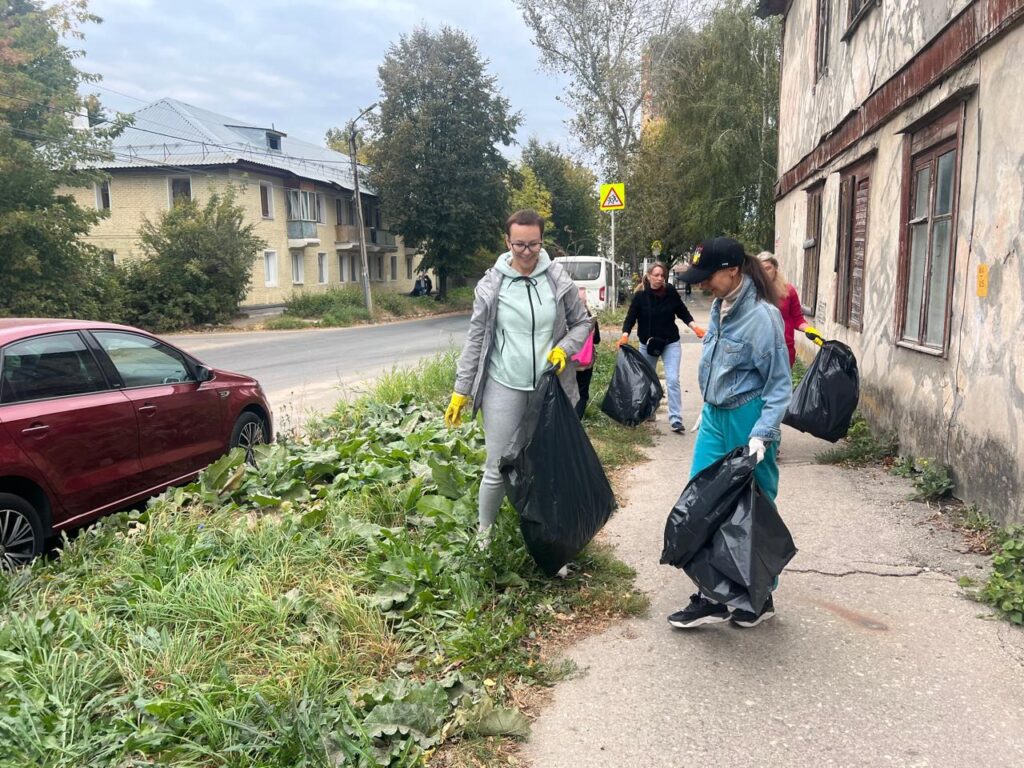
(858, 572)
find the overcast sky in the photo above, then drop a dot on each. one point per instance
(304, 65)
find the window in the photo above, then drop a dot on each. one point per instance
(320, 206)
(812, 251)
(321, 268)
(854, 194)
(270, 269)
(141, 361)
(824, 26)
(266, 200)
(355, 273)
(298, 269)
(273, 141)
(339, 210)
(351, 205)
(394, 267)
(180, 188)
(301, 205)
(58, 365)
(103, 195)
(408, 267)
(931, 190)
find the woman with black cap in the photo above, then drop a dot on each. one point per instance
(744, 377)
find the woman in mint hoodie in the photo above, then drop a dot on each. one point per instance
(526, 313)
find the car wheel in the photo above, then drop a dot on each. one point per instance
(249, 432)
(21, 532)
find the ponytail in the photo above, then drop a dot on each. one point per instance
(766, 290)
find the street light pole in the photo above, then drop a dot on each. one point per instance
(367, 296)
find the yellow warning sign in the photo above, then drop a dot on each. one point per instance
(613, 197)
(982, 280)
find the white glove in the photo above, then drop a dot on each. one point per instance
(756, 448)
(696, 424)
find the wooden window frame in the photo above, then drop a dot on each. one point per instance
(854, 15)
(920, 148)
(170, 189)
(267, 214)
(812, 251)
(851, 180)
(100, 187)
(822, 33)
(270, 276)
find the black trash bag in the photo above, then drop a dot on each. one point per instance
(824, 402)
(727, 535)
(634, 392)
(554, 479)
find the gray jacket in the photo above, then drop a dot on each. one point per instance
(572, 326)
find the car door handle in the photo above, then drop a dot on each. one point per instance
(147, 408)
(36, 429)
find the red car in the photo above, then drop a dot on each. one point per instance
(95, 417)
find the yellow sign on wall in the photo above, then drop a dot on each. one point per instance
(983, 280)
(613, 197)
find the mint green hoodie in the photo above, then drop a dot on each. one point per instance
(524, 324)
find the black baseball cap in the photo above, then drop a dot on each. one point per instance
(711, 256)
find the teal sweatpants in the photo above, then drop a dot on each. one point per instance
(722, 430)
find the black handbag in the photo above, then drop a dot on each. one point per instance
(655, 346)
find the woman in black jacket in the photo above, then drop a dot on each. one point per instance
(655, 309)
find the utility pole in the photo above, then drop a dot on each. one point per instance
(367, 296)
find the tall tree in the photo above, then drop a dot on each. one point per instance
(574, 216)
(435, 158)
(721, 130)
(526, 191)
(47, 269)
(607, 48)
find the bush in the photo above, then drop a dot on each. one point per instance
(397, 304)
(342, 316)
(197, 267)
(319, 304)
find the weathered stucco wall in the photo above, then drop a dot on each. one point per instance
(966, 408)
(884, 40)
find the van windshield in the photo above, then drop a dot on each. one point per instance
(583, 270)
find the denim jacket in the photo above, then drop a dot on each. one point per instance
(745, 357)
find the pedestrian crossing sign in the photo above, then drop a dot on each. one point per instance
(613, 197)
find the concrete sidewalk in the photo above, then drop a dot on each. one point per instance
(874, 657)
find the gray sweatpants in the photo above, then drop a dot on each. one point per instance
(503, 409)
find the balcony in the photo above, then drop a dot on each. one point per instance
(347, 235)
(302, 233)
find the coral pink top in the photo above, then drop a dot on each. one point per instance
(792, 316)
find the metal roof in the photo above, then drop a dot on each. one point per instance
(169, 132)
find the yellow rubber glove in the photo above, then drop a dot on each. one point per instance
(814, 335)
(624, 339)
(557, 358)
(453, 413)
(698, 331)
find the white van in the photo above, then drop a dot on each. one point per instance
(593, 273)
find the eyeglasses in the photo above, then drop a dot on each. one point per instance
(520, 247)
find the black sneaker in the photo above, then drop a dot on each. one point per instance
(677, 426)
(748, 619)
(699, 611)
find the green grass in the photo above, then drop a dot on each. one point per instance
(328, 607)
(340, 307)
(861, 446)
(285, 323)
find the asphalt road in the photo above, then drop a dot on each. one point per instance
(309, 371)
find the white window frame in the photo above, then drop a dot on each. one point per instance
(98, 186)
(269, 215)
(322, 269)
(270, 275)
(298, 268)
(170, 189)
(305, 202)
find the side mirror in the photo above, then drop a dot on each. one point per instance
(204, 373)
